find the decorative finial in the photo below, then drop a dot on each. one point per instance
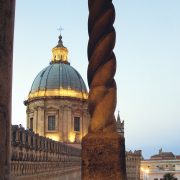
(60, 42)
(160, 151)
(118, 117)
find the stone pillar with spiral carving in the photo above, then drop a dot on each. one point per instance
(103, 150)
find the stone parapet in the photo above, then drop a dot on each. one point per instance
(32, 154)
(21, 168)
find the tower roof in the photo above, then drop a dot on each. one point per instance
(118, 117)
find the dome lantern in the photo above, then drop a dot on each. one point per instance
(60, 53)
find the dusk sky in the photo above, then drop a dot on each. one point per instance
(148, 62)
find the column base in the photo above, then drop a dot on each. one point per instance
(103, 157)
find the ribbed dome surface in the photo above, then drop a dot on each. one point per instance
(57, 77)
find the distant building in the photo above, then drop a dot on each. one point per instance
(133, 159)
(160, 164)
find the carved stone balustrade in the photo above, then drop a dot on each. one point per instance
(33, 154)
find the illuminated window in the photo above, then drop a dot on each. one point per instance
(31, 123)
(51, 123)
(76, 123)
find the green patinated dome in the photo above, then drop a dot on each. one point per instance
(59, 78)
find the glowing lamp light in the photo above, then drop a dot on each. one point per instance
(58, 92)
(71, 137)
(54, 137)
(147, 171)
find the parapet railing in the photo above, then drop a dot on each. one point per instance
(32, 153)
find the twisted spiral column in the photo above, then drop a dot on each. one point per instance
(102, 66)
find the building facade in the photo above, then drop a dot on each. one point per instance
(159, 165)
(133, 160)
(57, 102)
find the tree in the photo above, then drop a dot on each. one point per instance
(169, 176)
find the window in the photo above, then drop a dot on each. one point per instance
(31, 123)
(76, 123)
(51, 123)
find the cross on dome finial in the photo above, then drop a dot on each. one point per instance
(60, 43)
(60, 29)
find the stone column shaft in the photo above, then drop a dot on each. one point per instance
(103, 149)
(7, 12)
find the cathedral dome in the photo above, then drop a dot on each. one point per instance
(59, 79)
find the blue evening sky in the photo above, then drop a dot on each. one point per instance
(147, 52)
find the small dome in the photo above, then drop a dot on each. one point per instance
(58, 79)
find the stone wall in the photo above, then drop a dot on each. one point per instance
(34, 154)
